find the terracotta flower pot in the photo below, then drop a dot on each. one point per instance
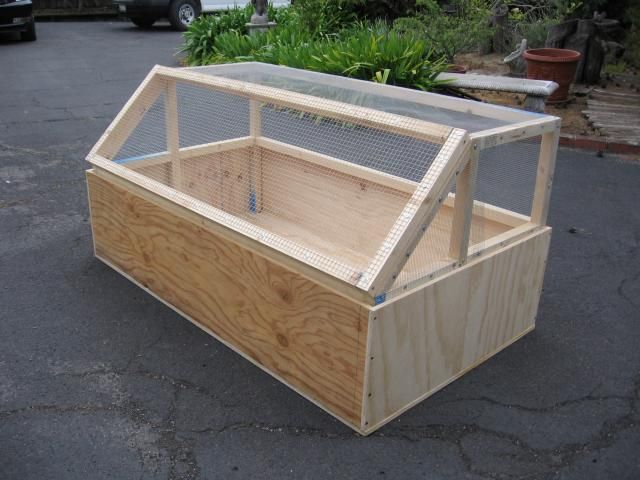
(556, 64)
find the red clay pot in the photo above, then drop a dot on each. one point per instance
(556, 64)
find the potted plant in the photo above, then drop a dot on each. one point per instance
(556, 64)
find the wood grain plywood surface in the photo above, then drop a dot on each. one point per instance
(427, 338)
(346, 211)
(303, 333)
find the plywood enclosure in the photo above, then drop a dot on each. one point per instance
(316, 340)
(363, 244)
(307, 335)
(424, 340)
(335, 214)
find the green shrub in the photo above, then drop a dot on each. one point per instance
(363, 9)
(200, 38)
(449, 34)
(386, 9)
(577, 8)
(380, 54)
(412, 26)
(322, 17)
(632, 53)
(320, 35)
(535, 31)
(236, 46)
(366, 51)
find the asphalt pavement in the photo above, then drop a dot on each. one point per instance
(98, 380)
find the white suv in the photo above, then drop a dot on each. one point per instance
(181, 13)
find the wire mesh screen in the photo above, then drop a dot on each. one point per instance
(387, 152)
(149, 136)
(325, 188)
(507, 175)
(319, 174)
(409, 103)
(207, 116)
(505, 179)
(505, 184)
(430, 255)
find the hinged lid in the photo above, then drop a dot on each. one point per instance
(341, 175)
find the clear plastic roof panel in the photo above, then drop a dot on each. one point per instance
(426, 106)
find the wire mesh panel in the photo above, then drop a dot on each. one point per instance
(503, 189)
(386, 152)
(505, 184)
(507, 175)
(345, 188)
(206, 116)
(386, 98)
(148, 138)
(430, 255)
(330, 186)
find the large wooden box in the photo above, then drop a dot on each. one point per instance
(331, 231)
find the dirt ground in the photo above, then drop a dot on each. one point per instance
(573, 121)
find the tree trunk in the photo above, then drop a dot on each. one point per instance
(593, 63)
(580, 42)
(499, 20)
(557, 33)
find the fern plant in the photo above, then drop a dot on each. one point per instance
(329, 44)
(200, 37)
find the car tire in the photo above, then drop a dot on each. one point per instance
(29, 35)
(182, 13)
(143, 22)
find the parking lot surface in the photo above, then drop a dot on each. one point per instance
(98, 380)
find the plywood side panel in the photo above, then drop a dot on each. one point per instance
(346, 211)
(303, 333)
(220, 179)
(160, 172)
(426, 338)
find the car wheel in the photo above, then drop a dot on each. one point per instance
(182, 13)
(29, 35)
(143, 22)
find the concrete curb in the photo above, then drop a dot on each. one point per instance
(599, 144)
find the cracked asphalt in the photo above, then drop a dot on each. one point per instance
(99, 380)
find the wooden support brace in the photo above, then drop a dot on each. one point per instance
(492, 213)
(349, 168)
(368, 117)
(515, 132)
(416, 216)
(255, 167)
(129, 117)
(544, 178)
(463, 208)
(173, 135)
(185, 153)
(215, 147)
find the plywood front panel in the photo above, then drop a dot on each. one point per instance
(427, 338)
(303, 333)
